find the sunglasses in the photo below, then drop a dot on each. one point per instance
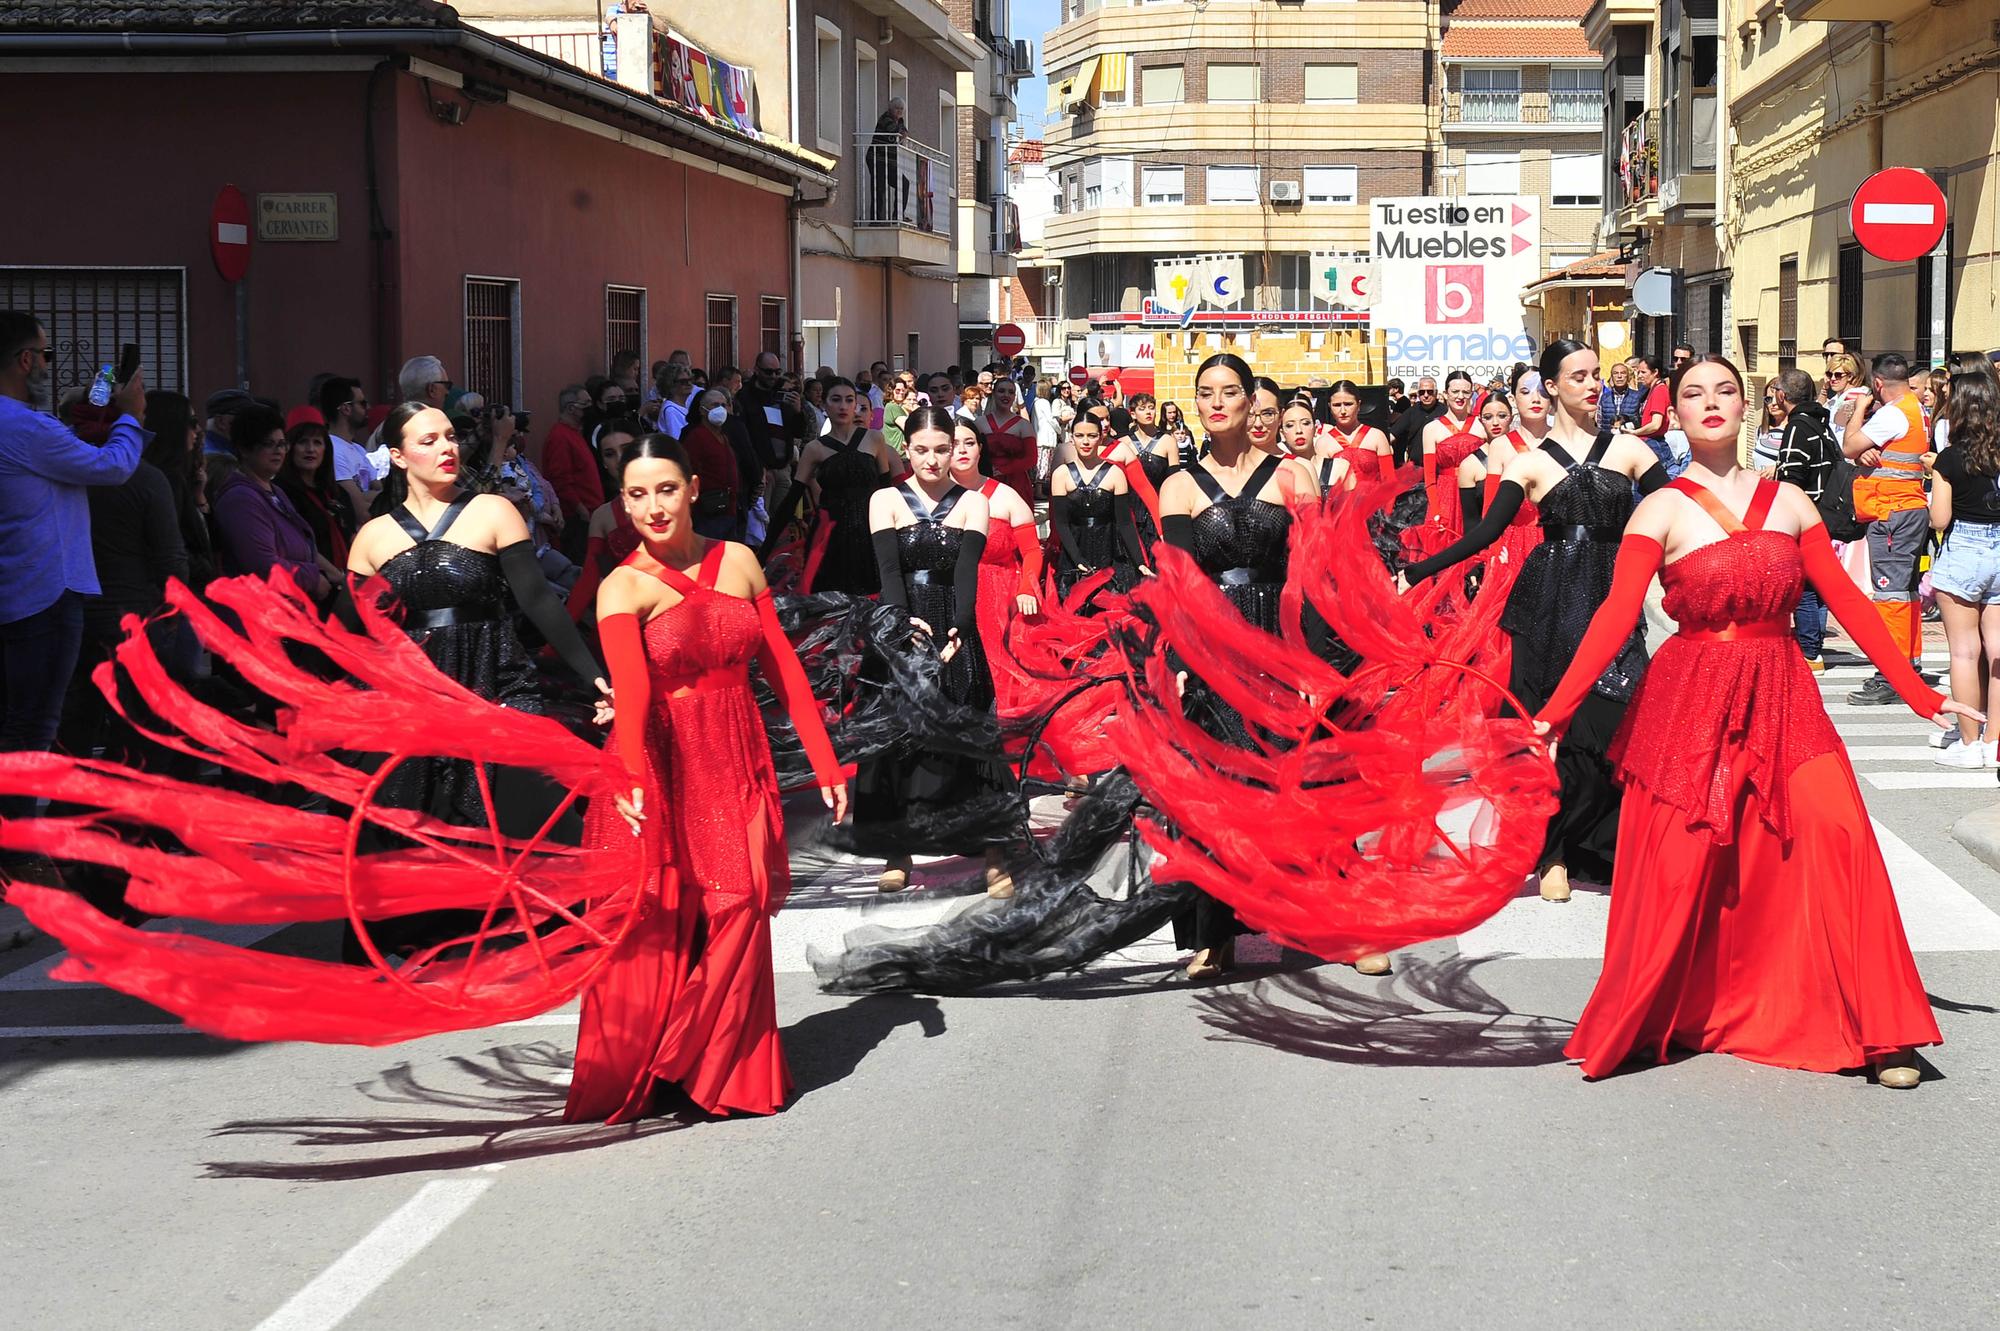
(1427, 392)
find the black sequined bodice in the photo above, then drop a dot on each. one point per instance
(847, 480)
(441, 575)
(930, 547)
(1590, 496)
(1091, 505)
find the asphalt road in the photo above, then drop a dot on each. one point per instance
(1302, 1148)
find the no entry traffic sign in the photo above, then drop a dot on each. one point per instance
(1898, 214)
(229, 234)
(1009, 341)
(1078, 375)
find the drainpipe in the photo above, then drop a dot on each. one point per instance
(380, 238)
(795, 335)
(888, 309)
(1878, 43)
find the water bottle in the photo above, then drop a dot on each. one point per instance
(100, 388)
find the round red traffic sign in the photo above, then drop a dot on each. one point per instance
(1898, 214)
(1009, 341)
(1078, 375)
(229, 234)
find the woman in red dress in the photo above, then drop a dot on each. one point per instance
(1369, 456)
(1012, 449)
(688, 997)
(611, 536)
(1751, 913)
(1010, 574)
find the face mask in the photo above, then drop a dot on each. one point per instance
(717, 415)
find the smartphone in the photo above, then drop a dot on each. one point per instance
(128, 362)
(521, 419)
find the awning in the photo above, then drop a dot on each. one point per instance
(1065, 95)
(1111, 74)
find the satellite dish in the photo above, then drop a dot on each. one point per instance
(1653, 293)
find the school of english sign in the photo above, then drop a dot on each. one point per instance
(1450, 274)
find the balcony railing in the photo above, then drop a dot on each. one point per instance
(1524, 108)
(904, 184)
(1639, 160)
(584, 50)
(1049, 332)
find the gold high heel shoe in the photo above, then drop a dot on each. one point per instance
(895, 876)
(1375, 963)
(999, 882)
(1211, 962)
(1899, 1072)
(1555, 883)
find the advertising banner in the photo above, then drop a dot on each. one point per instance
(710, 87)
(1450, 274)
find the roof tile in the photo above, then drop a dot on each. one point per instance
(1515, 43)
(220, 15)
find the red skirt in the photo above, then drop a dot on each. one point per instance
(1786, 953)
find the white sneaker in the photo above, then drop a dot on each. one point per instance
(1968, 757)
(1942, 739)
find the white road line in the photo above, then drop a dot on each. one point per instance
(36, 977)
(1910, 727)
(1938, 914)
(1938, 778)
(1892, 753)
(362, 1269)
(94, 1032)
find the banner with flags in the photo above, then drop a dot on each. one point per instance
(708, 86)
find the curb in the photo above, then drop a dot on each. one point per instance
(1979, 832)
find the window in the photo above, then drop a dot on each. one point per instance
(1107, 284)
(899, 84)
(625, 323)
(1294, 280)
(90, 312)
(1162, 85)
(946, 190)
(1490, 96)
(1576, 180)
(1717, 293)
(1746, 340)
(1493, 173)
(1107, 182)
(493, 338)
(827, 84)
(1163, 186)
(1235, 83)
(1788, 312)
(1563, 78)
(1575, 97)
(1847, 322)
(1232, 184)
(771, 326)
(1114, 80)
(1333, 85)
(721, 333)
(865, 83)
(1330, 184)
(1074, 189)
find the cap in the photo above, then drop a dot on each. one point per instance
(227, 402)
(303, 415)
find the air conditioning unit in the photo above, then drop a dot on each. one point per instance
(1024, 59)
(1286, 191)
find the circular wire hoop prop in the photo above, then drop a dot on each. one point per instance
(536, 940)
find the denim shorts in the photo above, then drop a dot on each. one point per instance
(1968, 567)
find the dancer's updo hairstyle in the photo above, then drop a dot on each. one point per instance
(1553, 356)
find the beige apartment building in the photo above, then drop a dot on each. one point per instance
(1523, 113)
(1822, 94)
(1255, 130)
(1663, 133)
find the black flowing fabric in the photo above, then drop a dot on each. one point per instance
(914, 797)
(847, 481)
(1563, 582)
(1087, 893)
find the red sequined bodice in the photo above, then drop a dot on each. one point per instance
(1003, 550)
(1712, 715)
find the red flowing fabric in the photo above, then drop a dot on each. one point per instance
(1406, 813)
(1444, 520)
(551, 913)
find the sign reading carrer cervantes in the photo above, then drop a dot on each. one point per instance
(1450, 278)
(282, 217)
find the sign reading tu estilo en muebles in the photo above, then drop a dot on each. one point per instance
(1451, 273)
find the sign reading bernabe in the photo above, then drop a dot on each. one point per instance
(298, 217)
(1450, 274)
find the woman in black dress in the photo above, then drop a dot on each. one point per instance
(928, 534)
(1090, 513)
(1146, 455)
(460, 565)
(842, 470)
(1581, 479)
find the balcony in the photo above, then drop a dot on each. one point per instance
(583, 50)
(904, 203)
(1582, 111)
(1638, 170)
(989, 236)
(1047, 334)
(1855, 11)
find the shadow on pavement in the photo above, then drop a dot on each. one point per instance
(515, 1094)
(1429, 1014)
(828, 1046)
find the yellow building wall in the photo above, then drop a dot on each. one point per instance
(1288, 357)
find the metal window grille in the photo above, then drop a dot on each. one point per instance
(721, 333)
(1788, 312)
(90, 312)
(1925, 353)
(625, 322)
(492, 341)
(771, 327)
(1716, 292)
(1746, 338)
(1848, 294)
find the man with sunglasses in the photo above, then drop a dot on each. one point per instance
(46, 565)
(776, 423)
(1406, 436)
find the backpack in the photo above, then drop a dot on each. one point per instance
(1831, 468)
